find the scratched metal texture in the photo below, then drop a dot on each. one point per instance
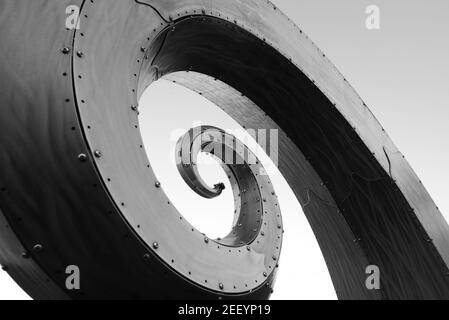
(58, 210)
(362, 199)
(364, 202)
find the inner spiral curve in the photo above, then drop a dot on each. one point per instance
(244, 171)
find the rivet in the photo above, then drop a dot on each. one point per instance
(25, 255)
(80, 54)
(38, 248)
(97, 154)
(279, 226)
(82, 157)
(157, 184)
(248, 248)
(4, 268)
(265, 274)
(146, 257)
(206, 240)
(143, 49)
(221, 286)
(262, 233)
(274, 258)
(65, 50)
(155, 245)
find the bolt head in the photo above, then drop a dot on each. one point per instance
(38, 248)
(82, 157)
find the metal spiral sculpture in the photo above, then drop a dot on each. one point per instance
(77, 189)
(257, 219)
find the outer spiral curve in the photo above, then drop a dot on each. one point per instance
(76, 186)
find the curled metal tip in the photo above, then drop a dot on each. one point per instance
(219, 187)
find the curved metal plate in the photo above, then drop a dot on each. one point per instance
(77, 187)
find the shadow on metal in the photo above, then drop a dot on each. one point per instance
(77, 187)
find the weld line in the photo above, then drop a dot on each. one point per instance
(152, 7)
(389, 162)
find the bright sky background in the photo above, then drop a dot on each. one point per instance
(401, 71)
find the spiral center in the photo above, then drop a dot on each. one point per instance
(243, 171)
